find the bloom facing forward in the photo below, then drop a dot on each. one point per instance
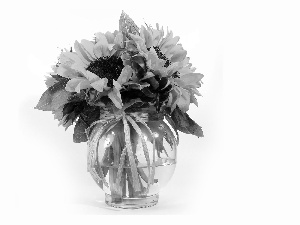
(166, 58)
(95, 65)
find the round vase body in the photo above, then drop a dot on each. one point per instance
(131, 160)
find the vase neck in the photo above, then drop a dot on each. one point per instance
(146, 114)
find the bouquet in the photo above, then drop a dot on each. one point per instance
(130, 70)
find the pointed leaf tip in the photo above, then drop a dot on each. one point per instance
(53, 97)
(185, 124)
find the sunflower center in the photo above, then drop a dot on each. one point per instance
(162, 56)
(107, 67)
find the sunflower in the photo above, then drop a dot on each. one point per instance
(166, 58)
(96, 64)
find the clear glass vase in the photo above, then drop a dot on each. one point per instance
(131, 159)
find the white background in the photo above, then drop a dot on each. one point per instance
(246, 168)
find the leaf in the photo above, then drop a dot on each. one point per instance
(140, 71)
(185, 124)
(87, 115)
(50, 81)
(127, 25)
(71, 111)
(58, 113)
(60, 78)
(90, 114)
(74, 106)
(148, 93)
(79, 131)
(148, 75)
(153, 82)
(54, 97)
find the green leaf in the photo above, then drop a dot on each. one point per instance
(79, 131)
(54, 97)
(91, 114)
(148, 93)
(75, 107)
(127, 25)
(60, 78)
(185, 124)
(88, 115)
(58, 113)
(50, 81)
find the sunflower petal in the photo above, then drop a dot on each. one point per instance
(100, 37)
(91, 76)
(186, 70)
(88, 47)
(191, 78)
(82, 85)
(69, 58)
(110, 46)
(156, 36)
(168, 37)
(173, 50)
(79, 68)
(173, 68)
(193, 99)
(184, 100)
(98, 51)
(179, 56)
(109, 37)
(176, 93)
(125, 75)
(81, 53)
(147, 36)
(119, 39)
(115, 97)
(101, 47)
(139, 41)
(117, 85)
(76, 84)
(99, 84)
(194, 91)
(169, 44)
(67, 72)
